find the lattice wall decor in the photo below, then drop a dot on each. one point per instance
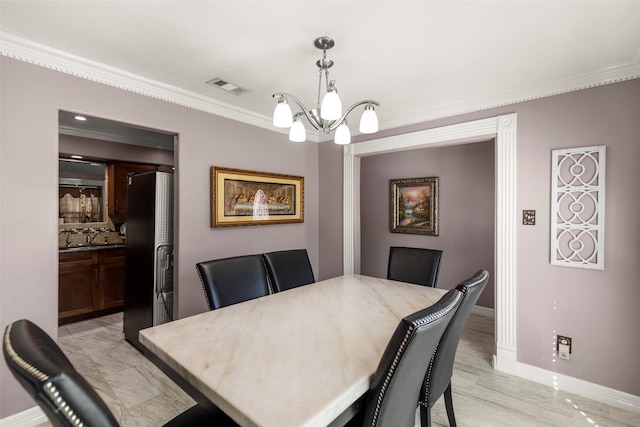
(577, 207)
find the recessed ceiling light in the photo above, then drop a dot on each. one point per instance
(76, 157)
(80, 118)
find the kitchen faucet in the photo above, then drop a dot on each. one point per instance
(68, 230)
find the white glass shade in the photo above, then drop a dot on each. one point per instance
(297, 133)
(343, 135)
(369, 121)
(331, 108)
(282, 116)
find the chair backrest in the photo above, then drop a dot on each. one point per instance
(289, 269)
(232, 280)
(414, 265)
(395, 388)
(48, 376)
(441, 368)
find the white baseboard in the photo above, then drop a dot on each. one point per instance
(583, 388)
(28, 418)
(593, 391)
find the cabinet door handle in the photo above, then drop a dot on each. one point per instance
(97, 279)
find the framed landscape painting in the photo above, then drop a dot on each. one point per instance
(242, 197)
(414, 206)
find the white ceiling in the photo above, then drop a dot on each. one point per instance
(420, 59)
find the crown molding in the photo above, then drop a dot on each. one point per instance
(34, 53)
(615, 74)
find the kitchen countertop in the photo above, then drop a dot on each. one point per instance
(96, 247)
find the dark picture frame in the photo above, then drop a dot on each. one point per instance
(242, 197)
(414, 206)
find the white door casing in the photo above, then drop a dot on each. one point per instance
(501, 128)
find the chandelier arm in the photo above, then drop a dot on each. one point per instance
(315, 125)
(334, 125)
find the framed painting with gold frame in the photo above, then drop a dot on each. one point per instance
(414, 206)
(241, 197)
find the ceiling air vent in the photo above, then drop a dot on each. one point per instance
(225, 85)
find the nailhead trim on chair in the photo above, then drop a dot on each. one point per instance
(55, 397)
(387, 380)
(204, 288)
(23, 364)
(427, 389)
(396, 359)
(424, 403)
(50, 389)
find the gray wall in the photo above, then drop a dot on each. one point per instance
(598, 309)
(466, 210)
(31, 98)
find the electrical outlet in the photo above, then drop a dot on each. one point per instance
(563, 345)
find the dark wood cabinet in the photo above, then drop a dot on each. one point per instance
(117, 184)
(111, 285)
(90, 283)
(77, 280)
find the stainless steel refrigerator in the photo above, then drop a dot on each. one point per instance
(148, 290)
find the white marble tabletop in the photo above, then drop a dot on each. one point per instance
(294, 358)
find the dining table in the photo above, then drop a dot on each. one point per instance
(301, 357)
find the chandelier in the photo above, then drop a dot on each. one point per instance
(327, 116)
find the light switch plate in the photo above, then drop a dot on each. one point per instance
(529, 217)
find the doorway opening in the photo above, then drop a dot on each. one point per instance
(95, 157)
(504, 130)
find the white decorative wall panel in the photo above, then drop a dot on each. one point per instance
(577, 207)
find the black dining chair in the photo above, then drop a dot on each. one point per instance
(232, 280)
(63, 394)
(414, 265)
(392, 398)
(288, 269)
(438, 379)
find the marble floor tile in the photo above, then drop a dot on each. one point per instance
(140, 395)
(131, 387)
(120, 356)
